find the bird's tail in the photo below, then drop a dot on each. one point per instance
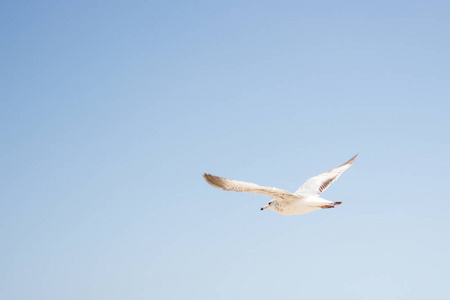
(337, 203)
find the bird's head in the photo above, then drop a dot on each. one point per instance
(270, 205)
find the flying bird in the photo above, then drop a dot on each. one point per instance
(306, 199)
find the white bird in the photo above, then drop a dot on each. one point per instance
(306, 199)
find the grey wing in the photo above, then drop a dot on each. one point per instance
(319, 183)
(246, 187)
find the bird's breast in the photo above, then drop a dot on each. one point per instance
(296, 207)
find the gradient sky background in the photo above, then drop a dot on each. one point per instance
(112, 110)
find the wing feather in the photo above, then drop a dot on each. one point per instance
(246, 187)
(319, 183)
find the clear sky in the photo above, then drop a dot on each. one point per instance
(112, 110)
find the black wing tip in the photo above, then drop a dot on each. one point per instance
(215, 181)
(207, 176)
(352, 160)
(211, 179)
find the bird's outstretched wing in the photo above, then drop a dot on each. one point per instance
(319, 183)
(246, 187)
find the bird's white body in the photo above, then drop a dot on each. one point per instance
(299, 205)
(306, 199)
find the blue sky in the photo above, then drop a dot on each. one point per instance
(112, 111)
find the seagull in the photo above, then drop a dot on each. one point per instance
(306, 199)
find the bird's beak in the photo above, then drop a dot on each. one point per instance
(264, 207)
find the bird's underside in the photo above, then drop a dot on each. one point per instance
(304, 200)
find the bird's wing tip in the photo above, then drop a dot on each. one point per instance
(352, 160)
